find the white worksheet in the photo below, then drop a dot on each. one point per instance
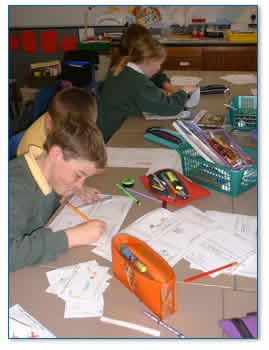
(81, 286)
(219, 248)
(246, 226)
(248, 268)
(171, 234)
(24, 325)
(243, 224)
(112, 212)
(149, 158)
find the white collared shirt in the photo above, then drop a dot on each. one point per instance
(135, 67)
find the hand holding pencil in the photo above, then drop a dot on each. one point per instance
(85, 233)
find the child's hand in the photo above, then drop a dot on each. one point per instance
(169, 89)
(87, 193)
(189, 89)
(86, 233)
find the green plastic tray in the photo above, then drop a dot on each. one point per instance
(218, 177)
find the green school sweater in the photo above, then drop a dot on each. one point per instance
(129, 94)
(29, 210)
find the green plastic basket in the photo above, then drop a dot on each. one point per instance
(218, 177)
(243, 112)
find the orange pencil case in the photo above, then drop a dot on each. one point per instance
(156, 287)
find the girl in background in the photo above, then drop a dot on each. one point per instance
(128, 90)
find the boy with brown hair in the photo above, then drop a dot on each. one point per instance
(37, 181)
(71, 102)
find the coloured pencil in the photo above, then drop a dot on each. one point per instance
(143, 195)
(78, 212)
(128, 194)
(204, 274)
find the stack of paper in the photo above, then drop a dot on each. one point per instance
(24, 325)
(245, 226)
(205, 240)
(81, 286)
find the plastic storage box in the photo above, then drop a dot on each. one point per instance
(241, 37)
(243, 112)
(218, 177)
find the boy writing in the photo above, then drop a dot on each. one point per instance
(36, 183)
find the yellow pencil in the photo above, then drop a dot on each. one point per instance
(78, 212)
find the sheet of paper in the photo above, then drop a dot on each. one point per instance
(180, 233)
(240, 79)
(112, 212)
(77, 202)
(144, 228)
(25, 325)
(247, 268)
(243, 224)
(171, 234)
(148, 158)
(220, 247)
(180, 80)
(246, 226)
(181, 115)
(81, 286)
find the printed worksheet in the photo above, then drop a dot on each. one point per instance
(81, 286)
(171, 234)
(149, 158)
(247, 268)
(246, 226)
(77, 202)
(144, 228)
(243, 224)
(219, 248)
(24, 325)
(112, 212)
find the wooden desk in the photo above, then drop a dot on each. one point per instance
(200, 305)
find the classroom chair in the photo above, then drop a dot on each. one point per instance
(40, 106)
(44, 97)
(13, 144)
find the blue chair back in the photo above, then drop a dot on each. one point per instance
(14, 143)
(44, 97)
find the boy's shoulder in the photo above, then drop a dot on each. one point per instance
(19, 172)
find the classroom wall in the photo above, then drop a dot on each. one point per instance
(67, 20)
(62, 16)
